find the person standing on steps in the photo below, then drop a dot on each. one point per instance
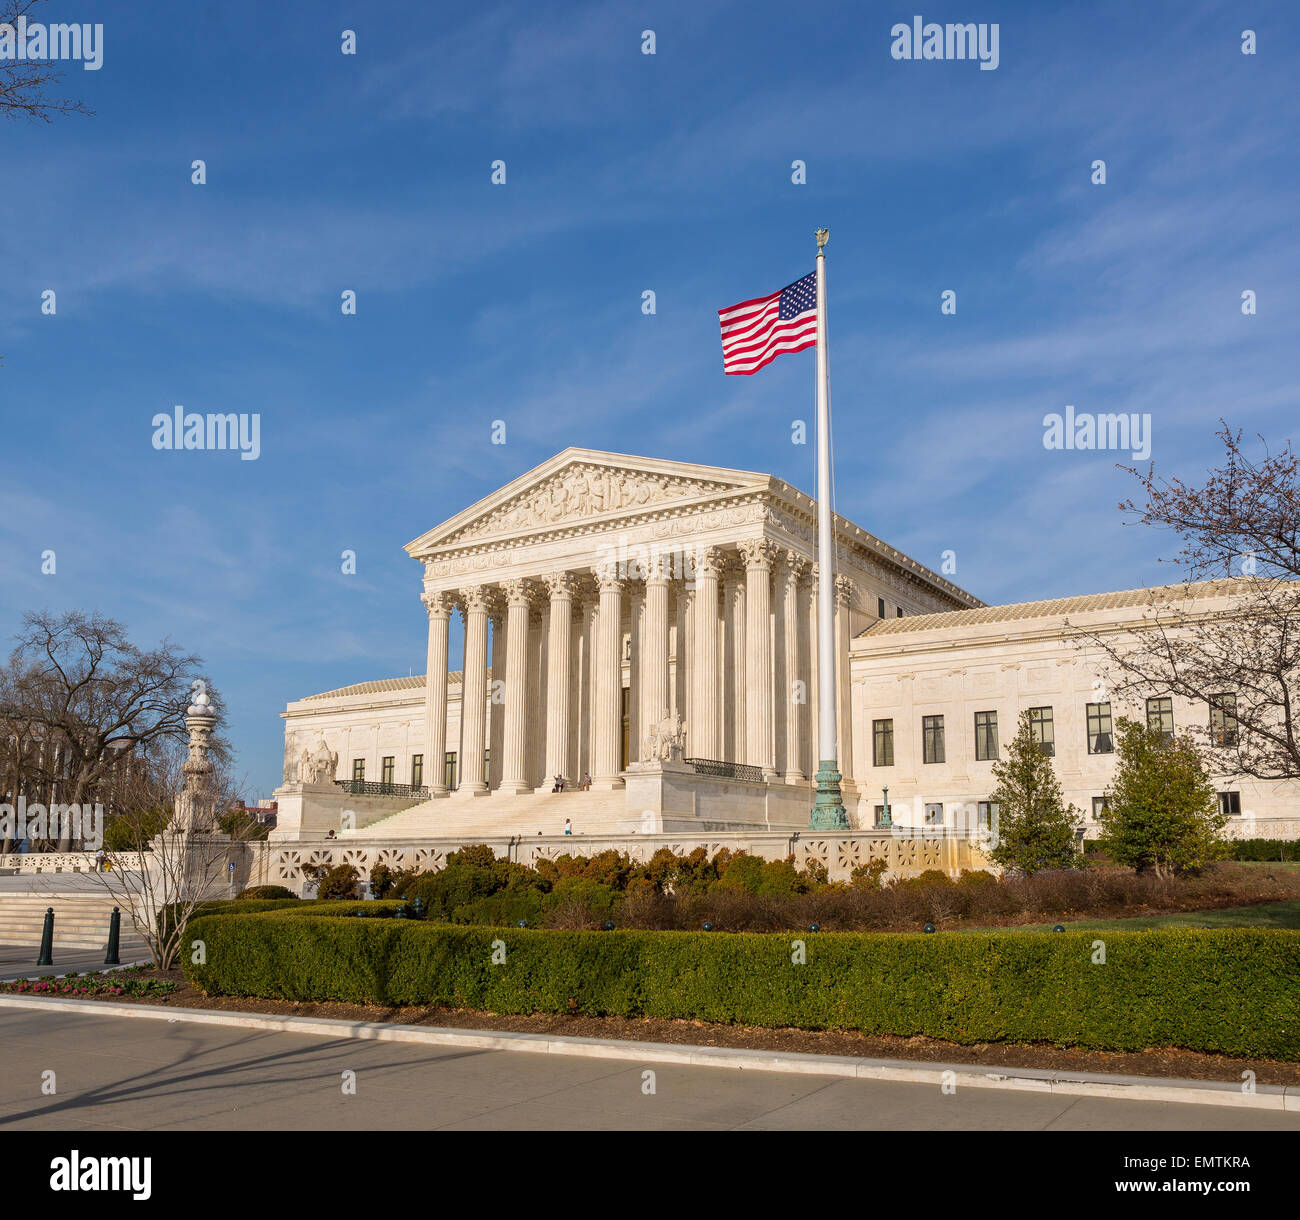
(568, 826)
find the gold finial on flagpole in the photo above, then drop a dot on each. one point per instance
(823, 236)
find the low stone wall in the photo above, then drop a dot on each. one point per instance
(282, 863)
(48, 862)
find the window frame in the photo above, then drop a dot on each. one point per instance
(932, 734)
(881, 735)
(1225, 705)
(988, 738)
(1160, 713)
(1046, 739)
(1108, 733)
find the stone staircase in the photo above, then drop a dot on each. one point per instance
(80, 921)
(501, 815)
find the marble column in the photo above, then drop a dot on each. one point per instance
(439, 607)
(514, 731)
(635, 677)
(655, 702)
(497, 689)
(686, 661)
(560, 585)
(735, 744)
(539, 638)
(609, 679)
(760, 750)
(843, 689)
(705, 724)
(473, 779)
(794, 696)
(590, 674)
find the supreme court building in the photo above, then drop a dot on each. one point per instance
(650, 627)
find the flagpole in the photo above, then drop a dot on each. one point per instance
(828, 809)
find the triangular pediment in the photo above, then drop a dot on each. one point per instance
(585, 486)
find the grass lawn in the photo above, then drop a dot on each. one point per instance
(1267, 915)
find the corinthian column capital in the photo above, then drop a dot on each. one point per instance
(517, 590)
(844, 587)
(758, 553)
(475, 598)
(438, 605)
(710, 561)
(562, 586)
(608, 577)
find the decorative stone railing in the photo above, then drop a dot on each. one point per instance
(904, 853)
(725, 770)
(360, 787)
(48, 862)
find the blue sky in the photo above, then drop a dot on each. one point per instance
(522, 302)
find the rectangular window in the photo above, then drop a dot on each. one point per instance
(880, 607)
(934, 815)
(882, 743)
(417, 770)
(1098, 804)
(358, 770)
(1223, 720)
(1230, 804)
(1160, 715)
(986, 736)
(985, 813)
(898, 611)
(1040, 723)
(932, 738)
(449, 769)
(386, 769)
(1100, 737)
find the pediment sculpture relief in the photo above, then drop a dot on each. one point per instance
(584, 491)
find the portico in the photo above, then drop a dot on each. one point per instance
(599, 593)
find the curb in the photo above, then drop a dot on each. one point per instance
(964, 1075)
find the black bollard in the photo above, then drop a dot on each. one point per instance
(111, 957)
(47, 940)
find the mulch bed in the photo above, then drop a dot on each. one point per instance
(1166, 1062)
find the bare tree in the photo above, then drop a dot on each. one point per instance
(1241, 526)
(93, 703)
(25, 83)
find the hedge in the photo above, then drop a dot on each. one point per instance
(1275, 850)
(1236, 992)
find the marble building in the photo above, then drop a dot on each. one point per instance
(651, 625)
(648, 624)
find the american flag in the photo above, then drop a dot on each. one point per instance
(755, 332)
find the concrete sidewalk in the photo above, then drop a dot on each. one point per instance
(884, 1093)
(19, 961)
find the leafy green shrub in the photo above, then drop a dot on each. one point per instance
(341, 881)
(1161, 813)
(1271, 850)
(1231, 992)
(869, 876)
(266, 891)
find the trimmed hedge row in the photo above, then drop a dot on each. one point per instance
(1275, 850)
(1235, 992)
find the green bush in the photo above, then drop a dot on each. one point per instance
(266, 891)
(1271, 850)
(341, 881)
(1234, 992)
